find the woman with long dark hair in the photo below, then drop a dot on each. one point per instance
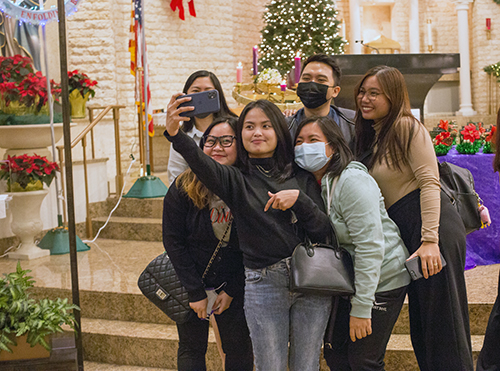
(274, 206)
(489, 358)
(398, 151)
(194, 221)
(356, 208)
(199, 81)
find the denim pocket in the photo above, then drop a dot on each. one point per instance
(253, 275)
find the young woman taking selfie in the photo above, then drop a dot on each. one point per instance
(274, 206)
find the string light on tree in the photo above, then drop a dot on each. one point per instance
(308, 26)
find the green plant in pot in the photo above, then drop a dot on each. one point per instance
(23, 93)
(21, 315)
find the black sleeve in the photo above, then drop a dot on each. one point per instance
(175, 232)
(222, 180)
(309, 208)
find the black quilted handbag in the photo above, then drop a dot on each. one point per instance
(161, 285)
(458, 184)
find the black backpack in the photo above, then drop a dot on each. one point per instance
(458, 184)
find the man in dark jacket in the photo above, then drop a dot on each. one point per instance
(318, 85)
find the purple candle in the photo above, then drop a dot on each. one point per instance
(255, 67)
(298, 63)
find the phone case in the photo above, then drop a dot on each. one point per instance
(414, 267)
(204, 103)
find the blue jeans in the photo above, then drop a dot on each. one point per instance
(276, 316)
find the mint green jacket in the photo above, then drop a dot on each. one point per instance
(363, 228)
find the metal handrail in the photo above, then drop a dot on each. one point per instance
(81, 137)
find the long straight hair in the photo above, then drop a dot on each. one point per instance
(189, 183)
(397, 128)
(496, 161)
(283, 154)
(187, 126)
(342, 155)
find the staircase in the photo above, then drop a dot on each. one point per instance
(122, 330)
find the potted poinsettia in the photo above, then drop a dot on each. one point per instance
(27, 173)
(25, 177)
(23, 93)
(471, 140)
(489, 141)
(443, 143)
(81, 88)
(24, 320)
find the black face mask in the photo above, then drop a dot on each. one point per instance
(312, 94)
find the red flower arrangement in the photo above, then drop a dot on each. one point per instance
(22, 90)
(470, 133)
(490, 141)
(443, 138)
(442, 143)
(29, 172)
(81, 82)
(443, 124)
(471, 139)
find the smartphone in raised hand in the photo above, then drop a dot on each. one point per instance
(204, 103)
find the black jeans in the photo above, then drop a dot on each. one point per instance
(235, 337)
(365, 354)
(489, 358)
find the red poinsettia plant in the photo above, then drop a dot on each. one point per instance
(442, 143)
(81, 82)
(26, 171)
(22, 90)
(490, 141)
(470, 133)
(443, 124)
(471, 139)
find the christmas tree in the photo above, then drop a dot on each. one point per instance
(305, 26)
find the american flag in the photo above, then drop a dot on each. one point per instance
(137, 60)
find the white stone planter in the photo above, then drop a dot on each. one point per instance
(29, 139)
(26, 223)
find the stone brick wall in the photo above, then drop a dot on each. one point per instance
(222, 34)
(445, 36)
(483, 51)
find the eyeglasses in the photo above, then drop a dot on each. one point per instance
(224, 140)
(372, 95)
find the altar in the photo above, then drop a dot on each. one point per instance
(483, 246)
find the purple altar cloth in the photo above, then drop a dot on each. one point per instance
(483, 246)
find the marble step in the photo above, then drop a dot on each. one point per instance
(110, 305)
(136, 344)
(96, 366)
(129, 228)
(129, 343)
(131, 207)
(137, 308)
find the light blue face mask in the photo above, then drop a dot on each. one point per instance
(311, 156)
